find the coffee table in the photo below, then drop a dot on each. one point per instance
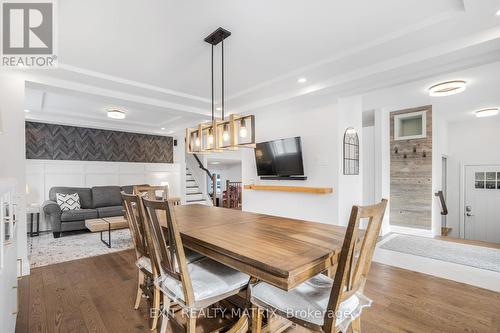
(106, 224)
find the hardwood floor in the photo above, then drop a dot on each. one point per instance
(97, 295)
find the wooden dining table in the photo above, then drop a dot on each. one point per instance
(281, 251)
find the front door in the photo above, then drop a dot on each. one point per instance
(482, 203)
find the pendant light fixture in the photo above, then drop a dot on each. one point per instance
(221, 134)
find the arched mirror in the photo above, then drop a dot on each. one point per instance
(351, 152)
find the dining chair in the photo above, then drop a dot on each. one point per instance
(194, 286)
(152, 191)
(323, 304)
(134, 214)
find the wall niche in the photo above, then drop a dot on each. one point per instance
(411, 167)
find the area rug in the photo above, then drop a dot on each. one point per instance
(46, 250)
(463, 254)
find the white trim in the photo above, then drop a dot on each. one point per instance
(412, 231)
(397, 123)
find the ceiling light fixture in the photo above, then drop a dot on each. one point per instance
(447, 88)
(26, 110)
(497, 13)
(302, 80)
(489, 112)
(116, 114)
(220, 133)
(163, 128)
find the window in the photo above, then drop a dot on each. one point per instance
(409, 126)
(487, 180)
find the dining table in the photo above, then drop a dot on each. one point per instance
(281, 251)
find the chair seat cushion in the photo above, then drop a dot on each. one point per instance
(210, 279)
(309, 301)
(78, 215)
(110, 211)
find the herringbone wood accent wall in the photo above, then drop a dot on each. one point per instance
(57, 142)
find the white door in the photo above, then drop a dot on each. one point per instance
(482, 203)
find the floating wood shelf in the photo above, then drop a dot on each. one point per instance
(303, 189)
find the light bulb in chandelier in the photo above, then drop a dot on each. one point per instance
(210, 137)
(243, 128)
(225, 133)
(197, 142)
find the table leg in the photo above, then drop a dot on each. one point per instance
(108, 243)
(38, 224)
(31, 225)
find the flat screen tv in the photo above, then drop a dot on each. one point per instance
(279, 158)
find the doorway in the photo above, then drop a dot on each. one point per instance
(481, 205)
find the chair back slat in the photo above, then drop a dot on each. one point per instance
(151, 191)
(135, 218)
(353, 268)
(169, 251)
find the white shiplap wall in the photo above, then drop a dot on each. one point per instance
(41, 175)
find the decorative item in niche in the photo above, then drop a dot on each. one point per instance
(351, 152)
(412, 125)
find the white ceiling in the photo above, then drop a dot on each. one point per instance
(149, 57)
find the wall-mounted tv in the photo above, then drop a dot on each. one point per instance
(280, 159)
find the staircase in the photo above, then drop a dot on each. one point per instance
(194, 194)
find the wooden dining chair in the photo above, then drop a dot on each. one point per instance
(134, 214)
(152, 191)
(322, 304)
(194, 286)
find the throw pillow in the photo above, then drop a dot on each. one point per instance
(68, 201)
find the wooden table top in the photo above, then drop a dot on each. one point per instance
(281, 251)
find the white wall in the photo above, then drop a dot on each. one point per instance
(350, 187)
(41, 175)
(318, 130)
(12, 151)
(470, 142)
(368, 144)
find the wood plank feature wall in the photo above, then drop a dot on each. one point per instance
(411, 177)
(58, 142)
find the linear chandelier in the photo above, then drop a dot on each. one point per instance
(224, 133)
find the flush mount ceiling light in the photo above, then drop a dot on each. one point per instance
(447, 88)
(489, 112)
(302, 80)
(227, 132)
(116, 114)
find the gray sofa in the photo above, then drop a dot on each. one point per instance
(95, 202)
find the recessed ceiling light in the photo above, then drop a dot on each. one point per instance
(26, 110)
(447, 88)
(215, 162)
(163, 128)
(497, 13)
(116, 114)
(302, 80)
(486, 112)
